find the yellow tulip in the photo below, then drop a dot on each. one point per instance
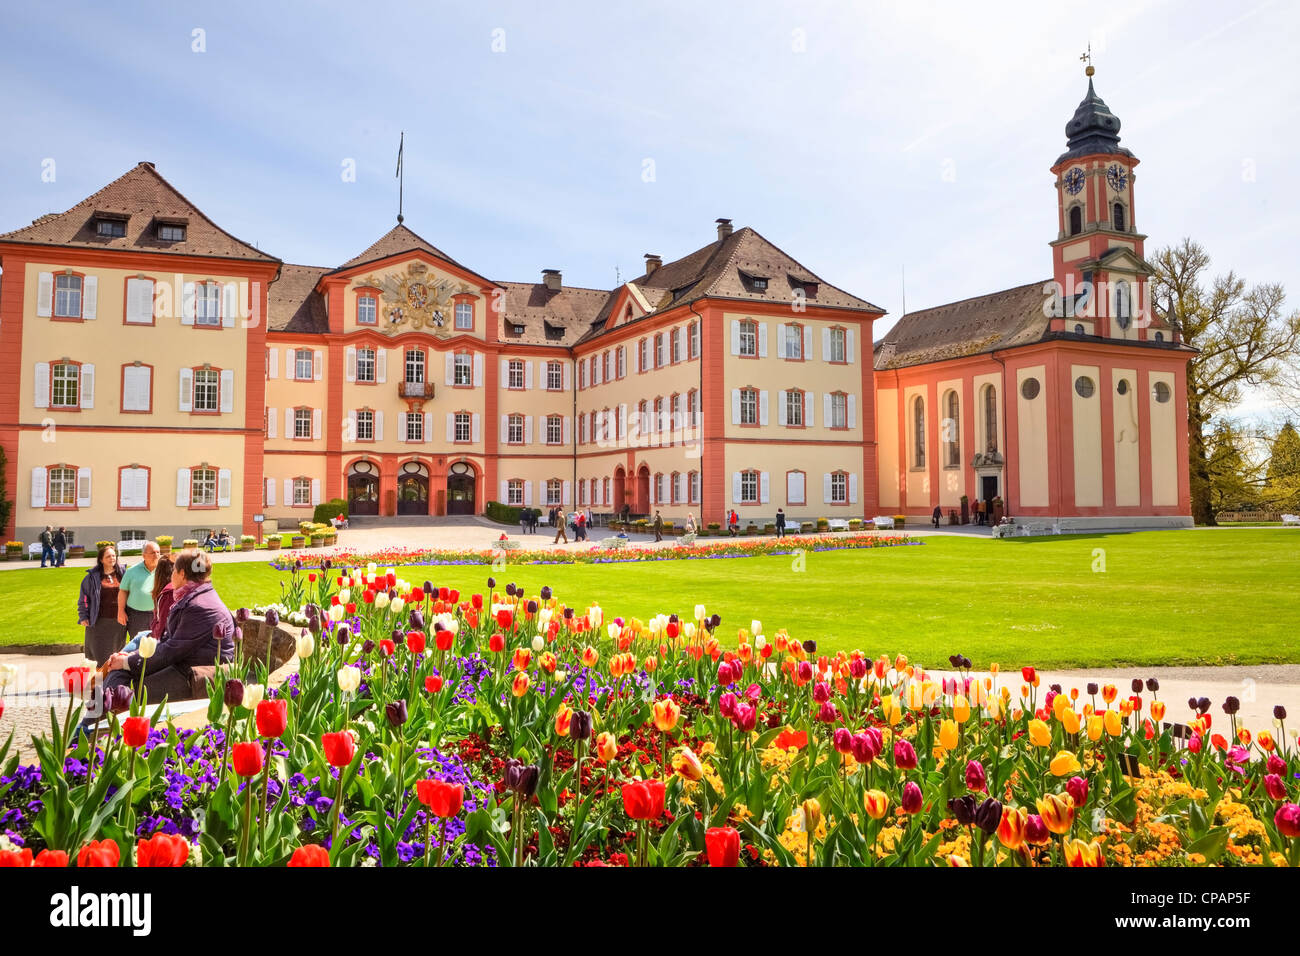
(666, 712)
(877, 803)
(606, 746)
(993, 708)
(563, 717)
(948, 735)
(994, 668)
(915, 695)
(1011, 831)
(1078, 853)
(1059, 703)
(1114, 726)
(519, 686)
(961, 709)
(1094, 727)
(1039, 734)
(1070, 720)
(1063, 763)
(893, 713)
(687, 765)
(812, 814)
(1057, 811)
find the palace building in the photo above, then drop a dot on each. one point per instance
(164, 376)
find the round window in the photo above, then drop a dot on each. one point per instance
(363, 468)
(1078, 328)
(1084, 386)
(460, 468)
(1029, 389)
(414, 468)
(1122, 387)
(1161, 392)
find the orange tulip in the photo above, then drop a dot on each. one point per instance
(1265, 741)
(519, 686)
(994, 668)
(900, 663)
(563, 717)
(590, 657)
(687, 765)
(1011, 831)
(606, 746)
(650, 664)
(1244, 736)
(547, 662)
(876, 803)
(1108, 693)
(1057, 811)
(961, 709)
(1157, 710)
(666, 713)
(523, 657)
(1078, 853)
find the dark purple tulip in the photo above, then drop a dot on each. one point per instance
(954, 660)
(1203, 705)
(580, 725)
(963, 810)
(417, 619)
(1092, 689)
(715, 620)
(988, 815)
(233, 694)
(343, 633)
(397, 634)
(491, 583)
(1231, 705)
(674, 618)
(966, 663)
(546, 592)
(532, 607)
(1279, 712)
(368, 646)
(272, 616)
(1153, 685)
(1055, 688)
(241, 616)
(510, 589)
(218, 633)
(521, 778)
(810, 647)
(912, 799)
(395, 711)
(1191, 703)
(568, 613)
(1136, 685)
(297, 564)
(117, 700)
(392, 594)
(1077, 788)
(429, 589)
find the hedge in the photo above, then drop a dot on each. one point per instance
(506, 514)
(329, 509)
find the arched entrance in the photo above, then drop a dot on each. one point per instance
(460, 489)
(620, 487)
(363, 488)
(413, 489)
(642, 506)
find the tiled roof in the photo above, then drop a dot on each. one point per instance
(142, 197)
(568, 312)
(294, 305)
(397, 240)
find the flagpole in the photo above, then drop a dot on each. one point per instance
(401, 179)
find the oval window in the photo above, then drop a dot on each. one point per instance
(1078, 328)
(1084, 386)
(1161, 392)
(1029, 389)
(1122, 387)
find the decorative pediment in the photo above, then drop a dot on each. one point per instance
(416, 299)
(1120, 259)
(988, 459)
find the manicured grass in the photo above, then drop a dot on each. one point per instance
(1164, 597)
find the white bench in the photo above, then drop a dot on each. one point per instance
(880, 521)
(506, 544)
(838, 524)
(123, 546)
(614, 543)
(686, 540)
(1292, 521)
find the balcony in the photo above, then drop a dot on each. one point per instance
(420, 390)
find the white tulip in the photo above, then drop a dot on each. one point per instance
(344, 596)
(306, 646)
(538, 644)
(381, 599)
(397, 605)
(614, 631)
(544, 617)
(760, 642)
(755, 627)
(595, 615)
(689, 631)
(147, 647)
(349, 679)
(253, 694)
(370, 568)
(336, 612)
(700, 613)
(561, 676)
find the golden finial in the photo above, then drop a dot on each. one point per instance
(1087, 58)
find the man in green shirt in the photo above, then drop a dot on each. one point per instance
(135, 599)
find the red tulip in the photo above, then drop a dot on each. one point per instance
(1028, 674)
(313, 854)
(272, 717)
(246, 759)
(723, 846)
(135, 731)
(496, 643)
(453, 595)
(99, 853)
(51, 858)
(162, 850)
(15, 859)
(433, 683)
(387, 647)
(443, 798)
(416, 596)
(350, 608)
(477, 602)
(74, 680)
(444, 639)
(339, 747)
(415, 642)
(644, 800)
(504, 618)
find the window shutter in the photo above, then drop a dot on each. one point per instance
(474, 428)
(566, 376)
(853, 411)
(528, 375)
(273, 363)
(848, 347)
(83, 487)
(87, 386)
(317, 365)
(427, 431)
(379, 425)
(565, 493)
(223, 488)
(780, 340)
(826, 488)
(853, 488)
(636, 358)
(401, 426)
(735, 487)
(289, 430)
(762, 406)
(808, 406)
(451, 426)
(137, 386)
(315, 492)
(826, 345)
(528, 493)
(505, 429)
(735, 406)
(187, 389)
(826, 410)
(187, 309)
(227, 390)
(90, 298)
(315, 424)
(794, 488)
(764, 492)
(781, 417)
(566, 435)
(505, 376)
(762, 340)
(449, 368)
(272, 422)
(270, 491)
(478, 370)
(182, 487)
(350, 363)
(735, 336)
(139, 301)
(44, 307)
(681, 488)
(288, 492)
(42, 396)
(807, 342)
(229, 304)
(352, 426)
(528, 428)
(381, 365)
(39, 478)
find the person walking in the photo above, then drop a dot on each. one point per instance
(560, 530)
(47, 546)
(780, 522)
(97, 606)
(935, 518)
(733, 522)
(60, 545)
(690, 524)
(659, 526)
(525, 516)
(135, 596)
(580, 534)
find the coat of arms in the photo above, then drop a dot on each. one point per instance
(415, 300)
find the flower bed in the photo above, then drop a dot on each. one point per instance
(727, 548)
(429, 728)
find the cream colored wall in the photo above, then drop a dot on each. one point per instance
(814, 460)
(951, 479)
(977, 409)
(887, 445)
(918, 479)
(1075, 250)
(284, 392)
(1031, 438)
(1125, 434)
(1164, 440)
(278, 468)
(537, 402)
(1087, 438)
(637, 386)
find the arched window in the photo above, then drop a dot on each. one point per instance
(1118, 217)
(952, 430)
(918, 433)
(1123, 306)
(1076, 220)
(990, 418)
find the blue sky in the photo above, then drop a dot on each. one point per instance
(864, 139)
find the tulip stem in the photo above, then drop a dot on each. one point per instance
(249, 787)
(428, 835)
(442, 844)
(225, 757)
(261, 811)
(338, 810)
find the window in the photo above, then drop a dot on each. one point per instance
(749, 406)
(609, 366)
(675, 347)
(620, 361)
(203, 488)
(367, 310)
(759, 284)
(414, 367)
(365, 425)
(67, 296)
(554, 429)
(582, 428)
(63, 488)
(553, 489)
(582, 491)
(660, 355)
(515, 492)
(839, 488)
(606, 495)
(1119, 217)
(302, 364)
(1161, 392)
(918, 432)
(794, 342)
(839, 410)
(1123, 306)
(463, 370)
(693, 407)
(795, 483)
(595, 370)
(110, 228)
(464, 316)
(643, 347)
(302, 423)
(207, 304)
(620, 423)
(414, 427)
(693, 484)
(137, 388)
(1078, 328)
(515, 430)
(675, 487)
(515, 374)
(170, 232)
(749, 487)
(461, 427)
(839, 351)
(582, 375)
(1084, 386)
(693, 339)
(365, 365)
(65, 382)
(301, 492)
(1076, 220)
(1122, 386)
(1160, 336)
(1029, 389)
(990, 418)
(794, 408)
(554, 376)
(749, 338)
(207, 390)
(675, 421)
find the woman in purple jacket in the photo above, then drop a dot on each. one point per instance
(199, 632)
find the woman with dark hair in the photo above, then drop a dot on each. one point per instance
(97, 606)
(164, 594)
(199, 632)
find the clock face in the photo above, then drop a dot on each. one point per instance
(1074, 181)
(1117, 176)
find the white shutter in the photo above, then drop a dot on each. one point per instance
(187, 389)
(317, 365)
(505, 378)
(848, 347)
(528, 428)
(315, 424)
(227, 390)
(90, 298)
(636, 360)
(451, 427)
(505, 491)
(807, 343)
(528, 493)
(680, 491)
(826, 345)
(808, 406)
(39, 477)
(288, 492)
(270, 491)
(478, 370)
(764, 488)
(381, 365)
(566, 376)
(528, 375)
(136, 387)
(401, 426)
(735, 336)
(566, 434)
(505, 429)
(427, 431)
(780, 408)
(83, 487)
(826, 410)
(223, 488)
(352, 426)
(474, 428)
(187, 309)
(379, 425)
(565, 493)
(853, 411)
(315, 492)
(735, 487)
(139, 301)
(44, 302)
(762, 340)
(273, 363)
(272, 422)
(449, 363)
(182, 487)
(289, 430)
(794, 487)
(853, 488)
(350, 363)
(826, 488)
(42, 396)
(762, 406)
(780, 340)
(229, 304)
(87, 385)
(622, 417)
(735, 406)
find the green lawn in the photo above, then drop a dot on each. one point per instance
(1168, 597)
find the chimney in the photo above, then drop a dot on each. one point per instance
(652, 262)
(551, 277)
(724, 228)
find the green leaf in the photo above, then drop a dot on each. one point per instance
(1212, 845)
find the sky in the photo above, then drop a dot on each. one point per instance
(896, 149)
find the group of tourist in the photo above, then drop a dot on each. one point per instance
(54, 546)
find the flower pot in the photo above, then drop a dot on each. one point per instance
(273, 544)
(318, 541)
(77, 551)
(247, 547)
(297, 541)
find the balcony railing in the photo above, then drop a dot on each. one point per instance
(415, 389)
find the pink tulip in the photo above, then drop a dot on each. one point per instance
(1274, 787)
(863, 751)
(912, 799)
(843, 740)
(904, 755)
(1287, 819)
(1077, 787)
(975, 777)
(727, 705)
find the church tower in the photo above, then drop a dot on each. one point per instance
(1101, 277)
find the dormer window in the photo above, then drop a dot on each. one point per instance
(110, 228)
(752, 282)
(519, 330)
(171, 233)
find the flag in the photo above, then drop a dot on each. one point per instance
(400, 145)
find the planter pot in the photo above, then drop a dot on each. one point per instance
(273, 545)
(297, 541)
(77, 551)
(247, 547)
(318, 541)
(164, 549)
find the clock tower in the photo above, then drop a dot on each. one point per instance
(1100, 276)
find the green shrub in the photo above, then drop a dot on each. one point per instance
(504, 514)
(329, 509)
(714, 527)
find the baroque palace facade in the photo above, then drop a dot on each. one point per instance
(162, 375)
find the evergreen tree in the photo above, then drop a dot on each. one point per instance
(1282, 479)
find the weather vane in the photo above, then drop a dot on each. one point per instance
(1087, 58)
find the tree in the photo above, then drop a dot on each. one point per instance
(1233, 479)
(1243, 338)
(1282, 479)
